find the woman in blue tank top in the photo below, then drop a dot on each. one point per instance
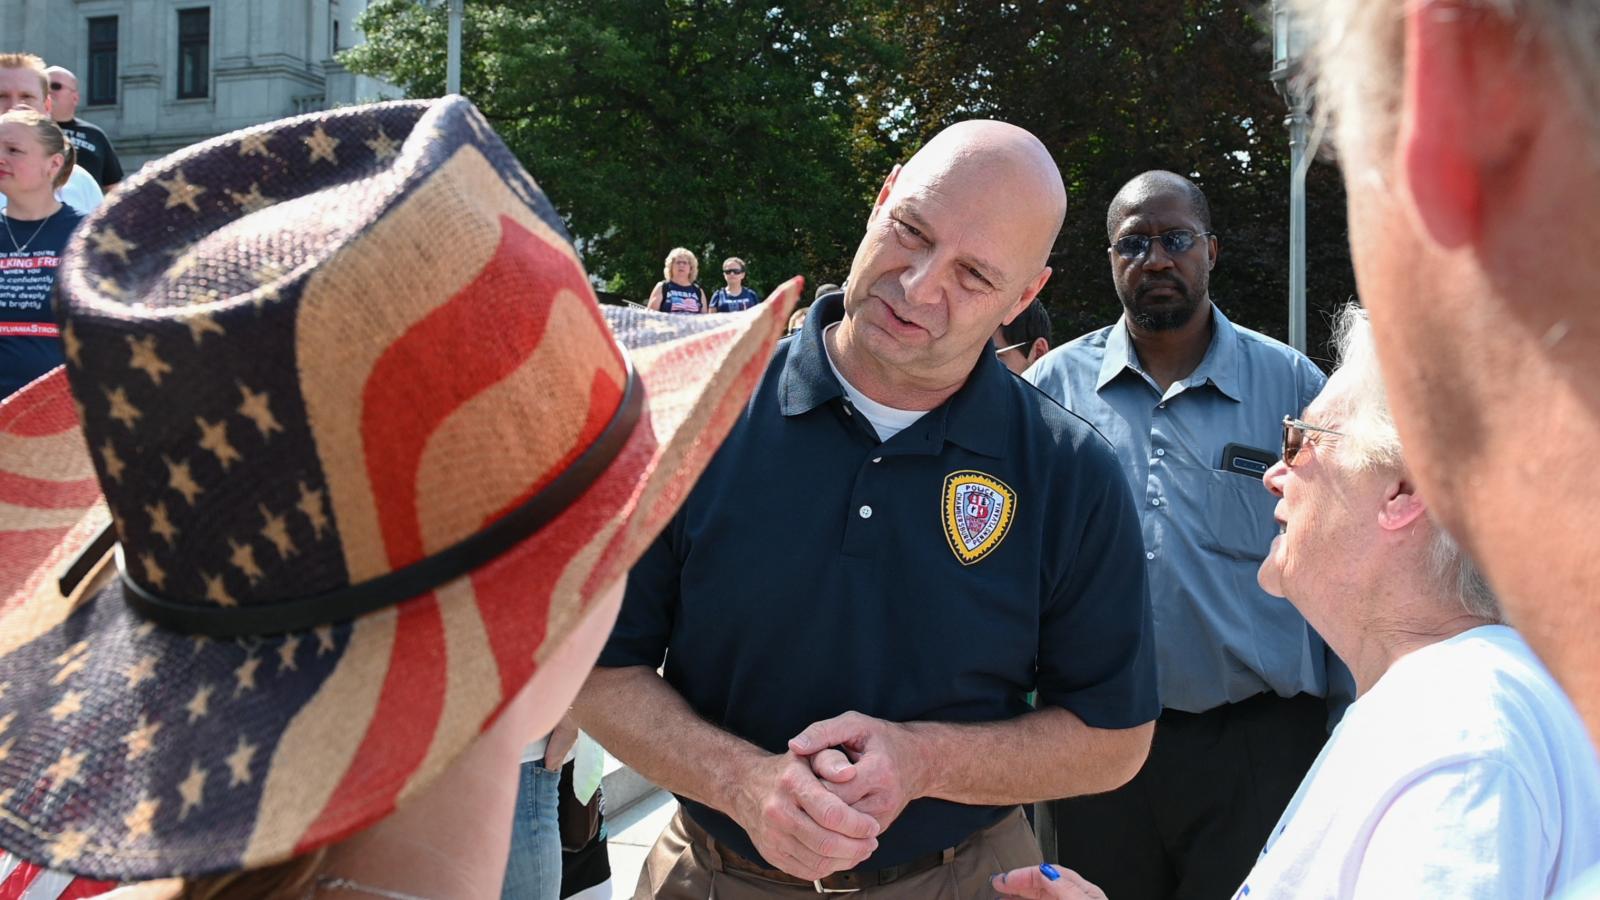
(678, 292)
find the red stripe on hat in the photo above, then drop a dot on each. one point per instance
(437, 365)
(45, 408)
(23, 551)
(513, 592)
(40, 493)
(401, 731)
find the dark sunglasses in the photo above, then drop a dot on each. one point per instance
(1179, 240)
(55, 85)
(1294, 437)
(733, 271)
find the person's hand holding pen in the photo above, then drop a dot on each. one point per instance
(1045, 882)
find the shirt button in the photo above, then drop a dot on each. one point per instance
(1161, 406)
(1155, 501)
(877, 459)
(1160, 452)
(866, 512)
(1149, 554)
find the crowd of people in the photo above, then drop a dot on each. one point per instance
(906, 604)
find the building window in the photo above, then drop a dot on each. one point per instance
(102, 61)
(194, 53)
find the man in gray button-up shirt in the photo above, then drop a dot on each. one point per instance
(1194, 407)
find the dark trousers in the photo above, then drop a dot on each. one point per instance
(1190, 825)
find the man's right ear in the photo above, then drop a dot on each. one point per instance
(888, 185)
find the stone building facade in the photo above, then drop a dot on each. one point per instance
(158, 75)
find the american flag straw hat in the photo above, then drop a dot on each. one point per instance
(353, 447)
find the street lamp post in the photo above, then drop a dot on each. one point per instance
(1288, 43)
(452, 64)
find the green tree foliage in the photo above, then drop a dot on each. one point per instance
(763, 130)
(715, 125)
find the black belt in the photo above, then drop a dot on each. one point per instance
(837, 883)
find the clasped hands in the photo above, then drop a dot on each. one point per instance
(819, 808)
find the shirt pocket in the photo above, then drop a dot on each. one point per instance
(1238, 516)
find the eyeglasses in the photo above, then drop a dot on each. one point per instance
(1294, 437)
(55, 85)
(733, 271)
(1012, 347)
(1176, 241)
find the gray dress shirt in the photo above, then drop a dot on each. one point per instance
(1219, 637)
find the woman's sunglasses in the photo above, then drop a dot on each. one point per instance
(733, 271)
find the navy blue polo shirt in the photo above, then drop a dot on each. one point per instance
(990, 549)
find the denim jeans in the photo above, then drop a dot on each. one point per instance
(533, 870)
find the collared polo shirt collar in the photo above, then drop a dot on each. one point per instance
(975, 417)
(1219, 367)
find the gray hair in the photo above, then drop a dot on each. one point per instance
(1370, 441)
(1358, 48)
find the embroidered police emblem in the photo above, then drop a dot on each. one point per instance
(978, 509)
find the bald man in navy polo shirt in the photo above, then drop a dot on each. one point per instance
(899, 541)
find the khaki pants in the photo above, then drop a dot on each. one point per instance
(680, 868)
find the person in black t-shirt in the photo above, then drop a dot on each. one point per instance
(35, 159)
(95, 153)
(735, 297)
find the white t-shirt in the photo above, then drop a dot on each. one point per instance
(81, 192)
(887, 421)
(1463, 773)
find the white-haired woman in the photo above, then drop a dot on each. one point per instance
(678, 292)
(1461, 770)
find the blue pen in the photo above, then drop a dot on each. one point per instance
(1050, 871)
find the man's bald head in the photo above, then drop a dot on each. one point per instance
(1153, 184)
(1009, 160)
(63, 93)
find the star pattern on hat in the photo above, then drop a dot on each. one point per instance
(160, 523)
(199, 706)
(180, 479)
(122, 409)
(322, 146)
(73, 346)
(141, 671)
(244, 677)
(111, 289)
(256, 407)
(202, 324)
(106, 240)
(153, 572)
(142, 739)
(324, 634)
(239, 762)
(276, 531)
(139, 820)
(72, 660)
(382, 146)
(311, 504)
(113, 463)
(70, 702)
(180, 192)
(67, 767)
(243, 558)
(252, 201)
(286, 652)
(214, 437)
(255, 145)
(192, 790)
(143, 357)
(67, 846)
(6, 720)
(217, 590)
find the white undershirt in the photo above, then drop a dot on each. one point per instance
(885, 420)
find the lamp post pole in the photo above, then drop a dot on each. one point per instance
(1287, 41)
(452, 66)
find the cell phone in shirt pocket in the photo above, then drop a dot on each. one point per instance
(1251, 462)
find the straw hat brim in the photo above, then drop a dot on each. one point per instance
(132, 752)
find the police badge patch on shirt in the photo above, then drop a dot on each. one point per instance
(978, 509)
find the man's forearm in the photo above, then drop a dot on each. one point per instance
(1046, 754)
(643, 721)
